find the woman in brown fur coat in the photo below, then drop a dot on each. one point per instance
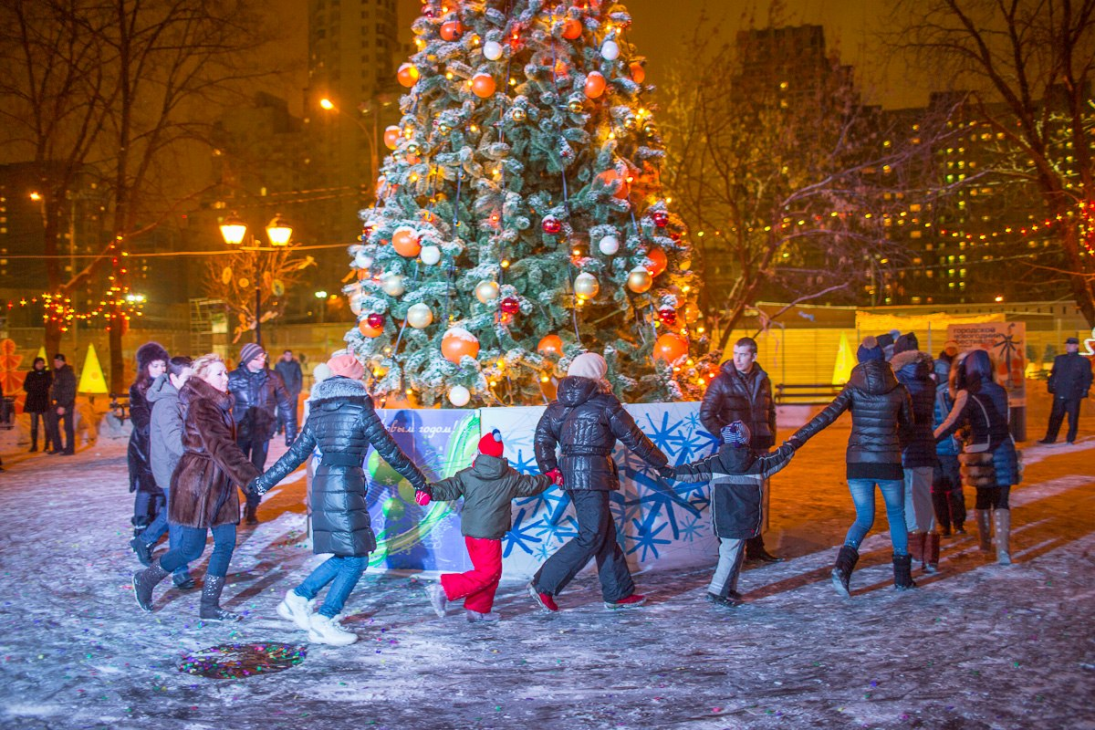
(203, 488)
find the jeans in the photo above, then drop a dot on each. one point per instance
(145, 505)
(343, 573)
(1061, 406)
(192, 545)
(158, 527)
(47, 432)
(731, 555)
(478, 585)
(54, 422)
(893, 494)
(596, 539)
(919, 515)
(255, 450)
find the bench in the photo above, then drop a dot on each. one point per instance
(119, 406)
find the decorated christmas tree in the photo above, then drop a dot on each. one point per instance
(519, 218)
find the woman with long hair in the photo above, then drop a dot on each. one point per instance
(149, 500)
(203, 488)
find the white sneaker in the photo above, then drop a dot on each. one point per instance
(475, 617)
(327, 631)
(438, 599)
(296, 608)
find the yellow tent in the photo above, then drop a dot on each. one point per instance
(91, 379)
(42, 354)
(845, 361)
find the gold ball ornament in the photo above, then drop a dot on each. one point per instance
(586, 285)
(419, 316)
(486, 291)
(639, 280)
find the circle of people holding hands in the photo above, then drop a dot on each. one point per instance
(919, 427)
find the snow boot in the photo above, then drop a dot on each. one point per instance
(916, 546)
(728, 601)
(211, 600)
(633, 601)
(544, 600)
(183, 581)
(931, 553)
(984, 529)
(144, 581)
(326, 630)
(143, 551)
(902, 572)
(1002, 517)
(942, 508)
(475, 617)
(250, 514)
(958, 511)
(296, 608)
(438, 599)
(842, 571)
(755, 552)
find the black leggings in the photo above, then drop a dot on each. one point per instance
(992, 497)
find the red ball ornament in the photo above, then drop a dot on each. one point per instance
(669, 348)
(482, 85)
(660, 218)
(510, 305)
(667, 316)
(595, 85)
(391, 137)
(610, 176)
(407, 75)
(551, 225)
(406, 243)
(550, 345)
(572, 29)
(367, 229)
(458, 343)
(452, 30)
(369, 331)
(375, 320)
(638, 73)
(658, 261)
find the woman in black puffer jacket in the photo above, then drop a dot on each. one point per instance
(152, 361)
(881, 414)
(586, 420)
(989, 460)
(341, 425)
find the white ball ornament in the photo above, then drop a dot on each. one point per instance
(492, 50)
(459, 396)
(610, 51)
(609, 245)
(362, 260)
(392, 284)
(419, 316)
(486, 291)
(586, 285)
(430, 255)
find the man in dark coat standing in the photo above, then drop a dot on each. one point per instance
(62, 395)
(289, 370)
(260, 399)
(1069, 383)
(742, 392)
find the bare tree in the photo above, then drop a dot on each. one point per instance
(1028, 65)
(272, 271)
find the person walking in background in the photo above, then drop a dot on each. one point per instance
(947, 497)
(881, 411)
(261, 398)
(1069, 383)
(203, 489)
(342, 425)
(62, 395)
(165, 448)
(36, 385)
(148, 500)
(586, 420)
(293, 377)
(742, 391)
(914, 370)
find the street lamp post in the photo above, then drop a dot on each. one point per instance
(278, 231)
(371, 107)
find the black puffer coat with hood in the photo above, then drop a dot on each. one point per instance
(914, 370)
(733, 396)
(585, 421)
(881, 413)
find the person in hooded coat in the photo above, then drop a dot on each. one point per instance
(586, 420)
(342, 425)
(947, 497)
(914, 370)
(148, 501)
(36, 386)
(989, 459)
(881, 412)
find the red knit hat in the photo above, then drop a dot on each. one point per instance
(346, 366)
(491, 444)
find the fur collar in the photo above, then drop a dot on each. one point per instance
(902, 359)
(197, 389)
(338, 388)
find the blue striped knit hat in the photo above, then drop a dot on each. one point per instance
(736, 435)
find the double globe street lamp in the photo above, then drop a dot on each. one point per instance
(278, 232)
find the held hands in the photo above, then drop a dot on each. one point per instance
(556, 476)
(667, 472)
(253, 487)
(423, 496)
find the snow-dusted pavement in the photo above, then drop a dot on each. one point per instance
(977, 646)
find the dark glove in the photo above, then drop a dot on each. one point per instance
(253, 487)
(667, 472)
(289, 439)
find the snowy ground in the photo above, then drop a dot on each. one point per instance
(978, 646)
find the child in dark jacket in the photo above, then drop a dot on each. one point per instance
(737, 474)
(488, 487)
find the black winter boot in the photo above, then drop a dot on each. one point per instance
(211, 600)
(755, 552)
(958, 511)
(143, 550)
(902, 572)
(250, 514)
(941, 506)
(842, 571)
(144, 581)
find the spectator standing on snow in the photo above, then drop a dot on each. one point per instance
(36, 385)
(585, 421)
(742, 391)
(62, 395)
(1069, 383)
(881, 412)
(947, 497)
(261, 398)
(148, 500)
(293, 378)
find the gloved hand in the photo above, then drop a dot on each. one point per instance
(253, 487)
(667, 472)
(289, 439)
(556, 476)
(422, 497)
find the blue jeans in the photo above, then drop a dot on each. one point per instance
(343, 573)
(192, 545)
(156, 530)
(893, 494)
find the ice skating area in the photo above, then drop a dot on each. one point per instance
(976, 646)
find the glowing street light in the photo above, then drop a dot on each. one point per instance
(279, 231)
(233, 230)
(327, 104)
(35, 196)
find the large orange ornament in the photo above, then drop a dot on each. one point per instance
(452, 30)
(658, 261)
(572, 29)
(391, 137)
(405, 242)
(610, 176)
(550, 345)
(669, 348)
(458, 342)
(595, 85)
(407, 75)
(365, 329)
(482, 85)
(638, 73)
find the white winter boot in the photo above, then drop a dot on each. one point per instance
(296, 608)
(327, 631)
(475, 617)
(438, 599)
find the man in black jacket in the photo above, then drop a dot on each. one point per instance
(289, 370)
(1069, 383)
(62, 395)
(742, 392)
(260, 398)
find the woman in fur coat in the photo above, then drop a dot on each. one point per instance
(203, 488)
(149, 500)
